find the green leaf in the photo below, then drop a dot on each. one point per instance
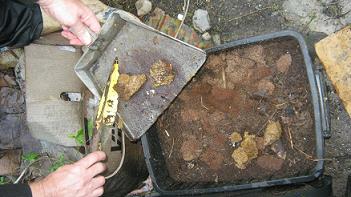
(78, 136)
(31, 157)
(57, 164)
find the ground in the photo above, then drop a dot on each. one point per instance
(315, 19)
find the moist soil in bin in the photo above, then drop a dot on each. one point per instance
(238, 90)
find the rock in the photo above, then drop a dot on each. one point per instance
(128, 85)
(143, 7)
(201, 20)
(191, 148)
(270, 163)
(334, 53)
(240, 157)
(265, 87)
(246, 152)
(206, 36)
(283, 63)
(272, 133)
(279, 149)
(216, 39)
(235, 137)
(212, 158)
(3, 82)
(162, 73)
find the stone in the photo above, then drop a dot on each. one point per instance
(201, 20)
(272, 133)
(10, 80)
(235, 137)
(191, 148)
(128, 85)
(206, 36)
(143, 7)
(246, 152)
(283, 63)
(270, 163)
(335, 54)
(279, 149)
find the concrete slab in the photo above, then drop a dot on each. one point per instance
(49, 72)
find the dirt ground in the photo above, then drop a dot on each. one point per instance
(241, 90)
(235, 19)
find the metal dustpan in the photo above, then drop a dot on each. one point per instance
(137, 47)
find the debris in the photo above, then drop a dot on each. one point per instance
(143, 7)
(9, 161)
(11, 101)
(265, 87)
(162, 73)
(270, 163)
(180, 17)
(206, 36)
(283, 63)
(216, 39)
(128, 85)
(201, 20)
(10, 80)
(246, 152)
(334, 53)
(260, 143)
(235, 137)
(279, 149)
(161, 21)
(213, 159)
(272, 133)
(191, 148)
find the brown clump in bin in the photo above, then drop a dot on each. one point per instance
(262, 89)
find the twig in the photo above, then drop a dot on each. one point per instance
(269, 118)
(251, 13)
(290, 138)
(167, 133)
(184, 16)
(202, 104)
(26, 168)
(306, 155)
(170, 153)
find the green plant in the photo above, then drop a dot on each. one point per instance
(3, 180)
(78, 136)
(31, 157)
(57, 164)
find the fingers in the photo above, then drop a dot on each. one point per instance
(89, 19)
(96, 169)
(91, 159)
(98, 182)
(98, 192)
(82, 33)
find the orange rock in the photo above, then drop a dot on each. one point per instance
(283, 63)
(334, 52)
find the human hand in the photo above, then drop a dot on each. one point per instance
(75, 180)
(75, 18)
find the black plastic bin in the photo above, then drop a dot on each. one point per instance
(165, 185)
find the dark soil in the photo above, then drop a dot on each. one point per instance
(240, 90)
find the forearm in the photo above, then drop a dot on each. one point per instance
(20, 23)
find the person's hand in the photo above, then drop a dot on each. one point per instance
(75, 18)
(80, 179)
